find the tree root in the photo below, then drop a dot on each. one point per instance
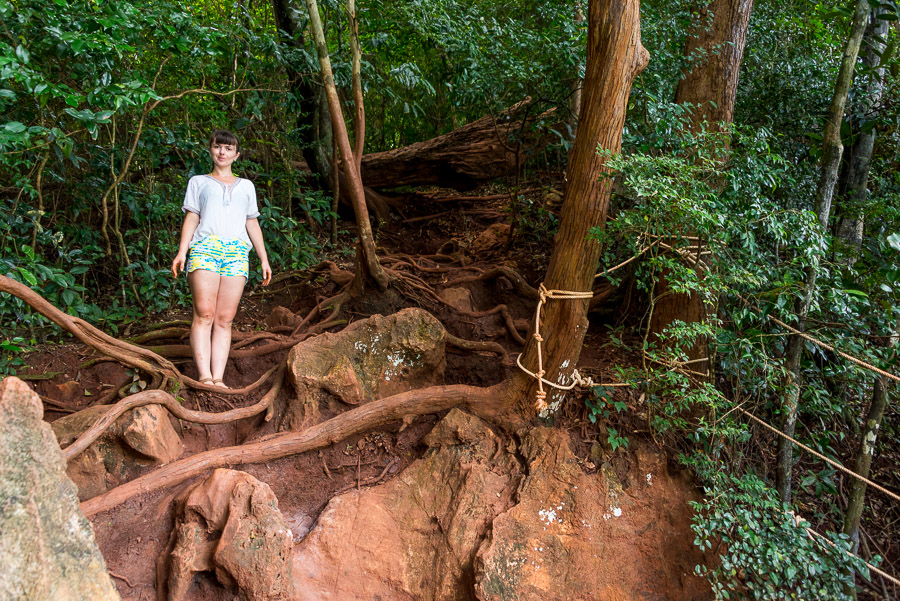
(159, 334)
(483, 401)
(128, 354)
(518, 282)
(159, 397)
(475, 345)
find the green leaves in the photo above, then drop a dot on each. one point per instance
(894, 241)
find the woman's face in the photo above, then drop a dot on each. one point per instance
(223, 155)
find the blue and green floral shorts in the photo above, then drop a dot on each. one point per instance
(224, 257)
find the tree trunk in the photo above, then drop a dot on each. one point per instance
(475, 153)
(615, 56)
(867, 439)
(710, 87)
(368, 266)
(577, 83)
(852, 223)
(831, 160)
(313, 115)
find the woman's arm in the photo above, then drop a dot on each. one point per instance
(256, 237)
(191, 221)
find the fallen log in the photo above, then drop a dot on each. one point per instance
(466, 157)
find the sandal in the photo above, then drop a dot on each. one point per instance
(222, 383)
(207, 381)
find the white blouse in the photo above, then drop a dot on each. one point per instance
(224, 209)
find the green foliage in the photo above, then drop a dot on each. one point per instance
(763, 552)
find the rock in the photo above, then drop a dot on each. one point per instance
(282, 316)
(148, 431)
(230, 523)
(47, 548)
(414, 537)
(493, 237)
(370, 359)
(459, 298)
(137, 440)
(578, 536)
(68, 393)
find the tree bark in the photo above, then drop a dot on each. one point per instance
(313, 114)
(852, 224)
(831, 160)
(369, 268)
(615, 57)
(462, 159)
(710, 87)
(868, 438)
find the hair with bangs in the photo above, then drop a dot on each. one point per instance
(223, 136)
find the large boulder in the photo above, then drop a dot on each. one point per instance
(370, 359)
(579, 536)
(47, 548)
(414, 537)
(230, 523)
(139, 439)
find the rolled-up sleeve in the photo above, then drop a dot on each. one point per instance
(191, 198)
(252, 207)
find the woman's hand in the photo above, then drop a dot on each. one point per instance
(178, 264)
(266, 272)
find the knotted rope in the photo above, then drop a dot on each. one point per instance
(540, 396)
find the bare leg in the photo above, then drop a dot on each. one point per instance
(204, 290)
(229, 296)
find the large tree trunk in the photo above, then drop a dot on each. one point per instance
(464, 158)
(831, 160)
(615, 56)
(313, 115)
(710, 86)
(368, 267)
(852, 223)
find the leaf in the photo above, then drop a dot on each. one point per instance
(15, 127)
(28, 276)
(23, 54)
(894, 240)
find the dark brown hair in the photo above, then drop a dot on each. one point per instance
(223, 136)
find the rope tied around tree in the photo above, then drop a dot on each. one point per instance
(578, 380)
(543, 296)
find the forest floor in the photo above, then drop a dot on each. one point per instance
(132, 536)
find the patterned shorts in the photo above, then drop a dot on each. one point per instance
(224, 257)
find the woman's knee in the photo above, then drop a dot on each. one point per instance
(204, 316)
(223, 321)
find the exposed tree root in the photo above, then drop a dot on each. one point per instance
(159, 397)
(475, 345)
(160, 334)
(488, 402)
(128, 354)
(509, 273)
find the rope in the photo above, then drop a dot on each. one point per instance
(812, 533)
(830, 462)
(850, 358)
(541, 396)
(578, 380)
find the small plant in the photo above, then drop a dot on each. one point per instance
(763, 549)
(11, 358)
(600, 404)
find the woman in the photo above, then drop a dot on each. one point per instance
(220, 224)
